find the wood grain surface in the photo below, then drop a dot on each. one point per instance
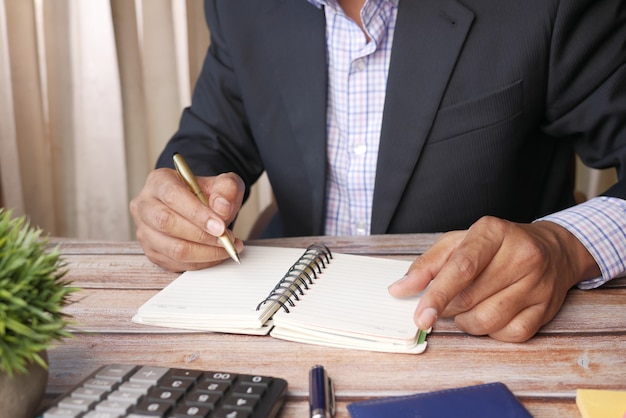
(583, 347)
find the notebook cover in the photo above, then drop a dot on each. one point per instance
(491, 400)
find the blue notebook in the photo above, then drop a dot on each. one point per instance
(491, 400)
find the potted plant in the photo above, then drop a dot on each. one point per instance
(33, 292)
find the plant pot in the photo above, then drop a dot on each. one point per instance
(21, 395)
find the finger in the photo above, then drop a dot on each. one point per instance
(225, 195)
(521, 328)
(500, 273)
(184, 205)
(494, 312)
(529, 320)
(158, 216)
(175, 254)
(425, 267)
(464, 265)
(164, 199)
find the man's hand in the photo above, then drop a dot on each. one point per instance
(176, 231)
(498, 278)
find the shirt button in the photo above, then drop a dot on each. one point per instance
(359, 149)
(358, 65)
(361, 228)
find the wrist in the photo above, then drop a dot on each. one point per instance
(579, 261)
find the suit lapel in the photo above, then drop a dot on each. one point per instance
(295, 39)
(428, 38)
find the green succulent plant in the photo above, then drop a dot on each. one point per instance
(33, 292)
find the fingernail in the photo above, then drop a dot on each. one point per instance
(215, 227)
(222, 206)
(427, 318)
(400, 280)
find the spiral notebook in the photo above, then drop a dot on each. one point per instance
(307, 295)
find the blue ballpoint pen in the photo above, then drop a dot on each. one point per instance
(321, 393)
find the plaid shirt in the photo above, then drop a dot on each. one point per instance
(357, 76)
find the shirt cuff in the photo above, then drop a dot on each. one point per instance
(600, 224)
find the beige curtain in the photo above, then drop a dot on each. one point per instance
(90, 91)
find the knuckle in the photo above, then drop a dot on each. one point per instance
(164, 220)
(196, 214)
(492, 222)
(230, 180)
(439, 296)
(493, 227)
(488, 319)
(133, 206)
(203, 236)
(532, 252)
(140, 235)
(180, 250)
(519, 331)
(419, 263)
(169, 193)
(464, 300)
(466, 265)
(229, 185)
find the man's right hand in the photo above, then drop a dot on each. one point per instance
(176, 231)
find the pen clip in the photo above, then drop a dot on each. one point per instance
(331, 396)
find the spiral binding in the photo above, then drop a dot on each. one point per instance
(299, 276)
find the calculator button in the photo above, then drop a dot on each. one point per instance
(186, 374)
(57, 412)
(137, 387)
(208, 386)
(240, 402)
(101, 384)
(75, 403)
(220, 377)
(117, 372)
(148, 374)
(165, 395)
(244, 389)
(100, 414)
(225, 413)
(123, 396)
(113, 406)
(188, 411)
(87, 393)
(152, 408)
(176, 383)
(203, 399)
(256, 380)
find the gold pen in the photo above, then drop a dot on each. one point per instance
(185, 173)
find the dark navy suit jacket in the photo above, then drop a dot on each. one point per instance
(486, 103)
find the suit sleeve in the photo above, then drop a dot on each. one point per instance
(586, 95)
(214, 135)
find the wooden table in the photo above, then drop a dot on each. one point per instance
(583, 347)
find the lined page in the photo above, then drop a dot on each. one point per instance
(351, 299)
(223, 297)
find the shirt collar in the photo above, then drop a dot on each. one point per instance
(317, 3)
(320, 3)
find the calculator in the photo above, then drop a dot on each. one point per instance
(138, 391)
